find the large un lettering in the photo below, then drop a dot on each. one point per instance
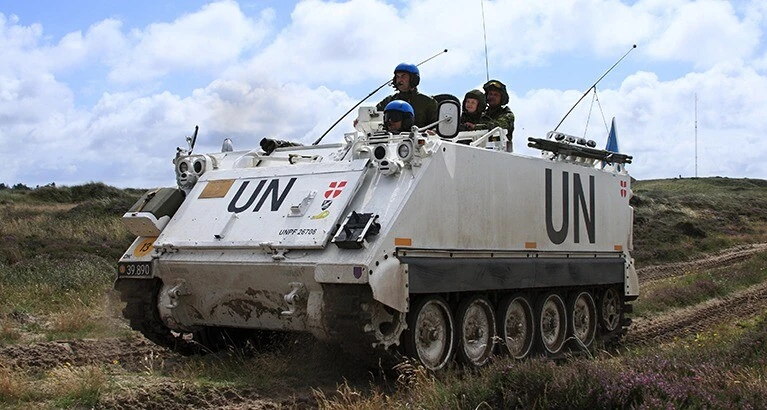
(579, 199)
(273, 190)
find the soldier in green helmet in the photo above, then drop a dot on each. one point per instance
(472, 110)
(497, 113)
(406, 80)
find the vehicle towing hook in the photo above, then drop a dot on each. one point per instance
(293, 297)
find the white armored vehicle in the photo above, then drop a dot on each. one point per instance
(432, 245)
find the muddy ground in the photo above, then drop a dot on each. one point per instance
(133, 359)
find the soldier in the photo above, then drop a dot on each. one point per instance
(497, 113)
(398, 116)
(406, 80)
(473, 108)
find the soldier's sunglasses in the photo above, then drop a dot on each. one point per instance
(393, 116)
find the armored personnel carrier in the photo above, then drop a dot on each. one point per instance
(436, 245)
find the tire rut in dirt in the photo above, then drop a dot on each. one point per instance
(738, 306)
(129, 353)
(727, 257)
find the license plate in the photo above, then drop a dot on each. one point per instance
(134, 269)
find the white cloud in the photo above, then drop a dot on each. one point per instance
(704, 33)
(656, 121)
(212, 37)
(288, 83)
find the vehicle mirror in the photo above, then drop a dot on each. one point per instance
(448, 113)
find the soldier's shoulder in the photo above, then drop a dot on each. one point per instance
(381, 105)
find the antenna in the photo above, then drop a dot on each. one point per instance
(696, 135)
(593, 86)
(368, 96)
(484, 34)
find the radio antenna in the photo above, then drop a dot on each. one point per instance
(484, 34)
(368, 96)
(593, 86)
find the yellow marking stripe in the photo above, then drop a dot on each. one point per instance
(403, 242)
(216, 189)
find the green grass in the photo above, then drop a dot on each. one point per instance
(682, 219)
(62, 387)
(60, 245)
(711, 370)
(697, 287)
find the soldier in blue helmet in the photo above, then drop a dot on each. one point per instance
(406, 80)
(398, 116)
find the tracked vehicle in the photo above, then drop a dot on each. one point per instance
(439, 246)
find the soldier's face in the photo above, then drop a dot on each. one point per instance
(493, 98)
(403, 81)
(394, 126)
(471, 105)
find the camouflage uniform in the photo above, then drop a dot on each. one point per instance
(499, 116)
(425, 107)
(476, 116)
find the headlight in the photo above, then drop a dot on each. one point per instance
(379, 152)
(199, 166)
(405, 150)
(183, 166)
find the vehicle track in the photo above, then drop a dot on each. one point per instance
(724, 258)
(740, 305)
(131, 353)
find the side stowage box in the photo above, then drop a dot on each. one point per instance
(149, 215)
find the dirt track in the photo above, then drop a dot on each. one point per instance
(680, 323)
(133, 357)
(724, 258)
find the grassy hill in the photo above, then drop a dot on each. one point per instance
(60, 245)
(681, 219)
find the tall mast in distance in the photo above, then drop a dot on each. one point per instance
(696, 135)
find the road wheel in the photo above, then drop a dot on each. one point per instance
(516, 326)
(583, 318)
(475, 321)
(430, 337)
(610, 305)
(552, 323)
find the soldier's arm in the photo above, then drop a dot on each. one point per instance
(432, 115)
(381, 105)
(508, 120)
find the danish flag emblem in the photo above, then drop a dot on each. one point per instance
(335, 189)
(624, 184)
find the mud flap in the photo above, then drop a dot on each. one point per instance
(389, 281)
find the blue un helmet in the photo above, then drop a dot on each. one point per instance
(396, 111)
(412, 69)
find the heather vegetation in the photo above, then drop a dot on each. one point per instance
(682, 219)
(57, 262)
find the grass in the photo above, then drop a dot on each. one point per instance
(57, 260)
(682, 219)
(44, 285)
(697, 287)
(62, 387)
(708, 371)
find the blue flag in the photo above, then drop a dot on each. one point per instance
(612, 144)
(612, 139)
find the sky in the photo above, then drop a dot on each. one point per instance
(105, 91)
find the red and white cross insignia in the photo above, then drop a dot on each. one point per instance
(335, 189)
